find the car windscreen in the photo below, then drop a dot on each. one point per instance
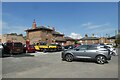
(52, 44)
(18, 44)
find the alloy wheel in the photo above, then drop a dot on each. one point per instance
(69, 58)
(101, 59)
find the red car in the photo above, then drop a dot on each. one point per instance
(29, 49)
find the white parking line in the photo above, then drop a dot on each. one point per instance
(42, 53)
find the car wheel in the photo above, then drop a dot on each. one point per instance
(63, 59)
(100, 59)
(69, 58)
(44, 50)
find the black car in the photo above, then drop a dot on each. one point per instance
(69, 47)
(4, 50)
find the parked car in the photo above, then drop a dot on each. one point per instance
(93, 52)
(4, 50)
(14, 47)
(69, 47)
(42, 46)
(76, 45)
(56, 47)
(29, 49)
(111, 48)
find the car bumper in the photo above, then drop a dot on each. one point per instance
(109, 57)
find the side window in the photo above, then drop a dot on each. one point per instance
(83, 47)
(92, 48)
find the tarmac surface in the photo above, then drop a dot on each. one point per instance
(50, 65)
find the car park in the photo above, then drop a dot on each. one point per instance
(93, 52)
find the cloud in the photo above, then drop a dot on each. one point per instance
(90, 25)
(6, 28)
(87, 24)
(75, 36)
(99, 29)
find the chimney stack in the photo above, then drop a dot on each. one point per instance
(34, 25)
(86, 36)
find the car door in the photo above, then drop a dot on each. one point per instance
(92, 51)
(1, 50)
(80, 52)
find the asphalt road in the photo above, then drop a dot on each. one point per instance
(50, 65)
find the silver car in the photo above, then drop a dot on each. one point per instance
(94, 52)
(1, 48)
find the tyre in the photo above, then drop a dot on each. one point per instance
(63, 59)
(100, 59)
(69, 58)
(44, 50)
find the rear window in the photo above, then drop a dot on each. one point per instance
(18, 44)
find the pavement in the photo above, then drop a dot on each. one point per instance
(50, 65)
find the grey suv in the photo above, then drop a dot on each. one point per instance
(94, 52)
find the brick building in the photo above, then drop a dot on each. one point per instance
(69, 41)
(96, 40)
(13, 37)
(43, 34)
(89, 40)
(58, 38)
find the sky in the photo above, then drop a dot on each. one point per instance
(74, 19)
